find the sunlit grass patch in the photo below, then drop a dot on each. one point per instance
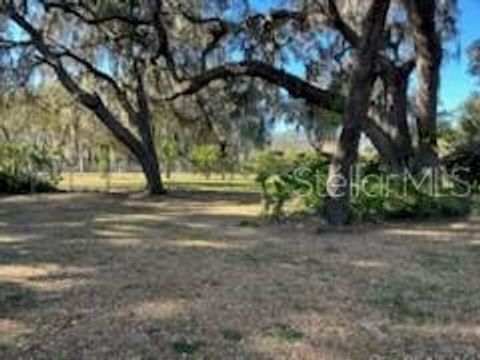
(100, 182)
(135, 181)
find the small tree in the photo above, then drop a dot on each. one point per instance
(169, 155)
(205, 159)
(464, 155)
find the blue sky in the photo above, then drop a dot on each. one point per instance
(456, 84)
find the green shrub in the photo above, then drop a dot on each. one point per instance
(404, 201)
(25, 169)
(169, 154)
(284, 178)
(24, 184)
(303, 180)
(205, 159)
(464, 161)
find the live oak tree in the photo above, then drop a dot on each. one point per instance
(108, 43)
(117, 60)
(372, 41)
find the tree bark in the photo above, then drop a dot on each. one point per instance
(396, 80)
(384, 145)
(356, 112)
(429, 59)
(397, 115)
(143, 120)
(151, 169)
(149, 160)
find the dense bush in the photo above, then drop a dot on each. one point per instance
(26, 169)
(293, 184)
(402, 200)
(286, 178)
(465, 160)
(23, 184)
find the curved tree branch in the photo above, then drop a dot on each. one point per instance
(91, 101)
(296, 86)
(101, 75)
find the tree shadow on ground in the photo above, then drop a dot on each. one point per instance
(120, 276)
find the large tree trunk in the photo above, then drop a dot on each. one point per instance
(384, 145)
(429, 58)
(389, 131)
(151, 169)
(143, 151)
(356, 112)
(396, 80)
(149, 160)
(144, 124)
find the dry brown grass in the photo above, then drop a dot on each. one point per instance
(135, 181)
(199, 276)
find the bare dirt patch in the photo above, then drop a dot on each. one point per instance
(199, 276)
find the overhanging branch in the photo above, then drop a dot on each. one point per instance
(295, 86)
(90, 100)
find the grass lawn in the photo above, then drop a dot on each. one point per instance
(197, 275)
(124, 182)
